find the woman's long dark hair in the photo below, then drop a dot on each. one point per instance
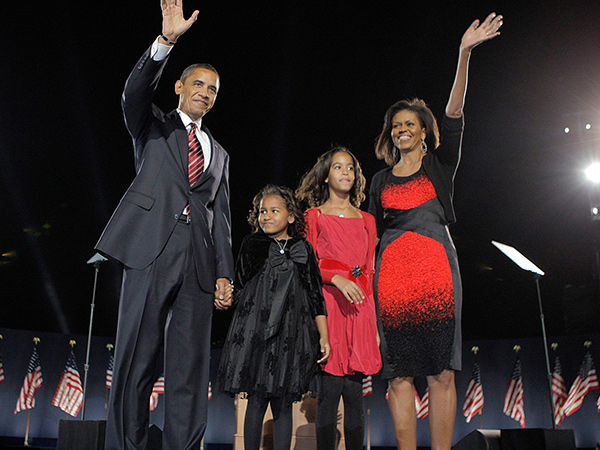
(385, 148)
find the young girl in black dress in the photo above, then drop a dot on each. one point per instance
(278, 335)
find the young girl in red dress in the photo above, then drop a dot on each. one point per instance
(344, 240)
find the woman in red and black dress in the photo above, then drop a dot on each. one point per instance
(417, 279)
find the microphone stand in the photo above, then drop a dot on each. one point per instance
(520, 260)
(96, 260)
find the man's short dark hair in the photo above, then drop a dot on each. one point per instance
(189, 69)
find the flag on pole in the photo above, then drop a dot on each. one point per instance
(1, 366)
(209, 390)
(109, 371)
(422, 405)
(513, 398)
(33, 381)
(1, 371)
(586, 380)
(367, 385)
(69, 392)
(474, 396)
(559, 392)
(157, 389)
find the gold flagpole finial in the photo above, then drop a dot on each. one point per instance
(517, 348)
(36, 340)
(110, 347)
(587, 344)
(72, 343)
(475, 349)
(554, 346)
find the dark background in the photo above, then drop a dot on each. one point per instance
(297, 77)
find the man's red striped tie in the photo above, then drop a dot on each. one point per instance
(195, 159)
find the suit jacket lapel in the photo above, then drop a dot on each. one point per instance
(178, 140)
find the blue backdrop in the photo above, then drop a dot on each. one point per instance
(496, 359)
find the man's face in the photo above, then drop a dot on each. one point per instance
(198, 92)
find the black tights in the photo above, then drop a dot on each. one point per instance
(282, 423)
(332, 387)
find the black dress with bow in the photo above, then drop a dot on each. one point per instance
(272, 346)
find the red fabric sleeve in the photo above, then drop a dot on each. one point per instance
(312, 234)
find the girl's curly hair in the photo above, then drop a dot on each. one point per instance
(313, 191)
(295, 229)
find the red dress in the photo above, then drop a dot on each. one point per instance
(341, 244)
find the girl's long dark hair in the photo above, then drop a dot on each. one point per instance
(313, 191)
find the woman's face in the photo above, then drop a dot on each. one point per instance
(407, 132)
(341, 172)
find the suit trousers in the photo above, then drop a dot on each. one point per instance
(162, 312)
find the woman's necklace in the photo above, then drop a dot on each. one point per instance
(344, 211)
(281, 247)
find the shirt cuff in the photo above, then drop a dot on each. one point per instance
(159, 51)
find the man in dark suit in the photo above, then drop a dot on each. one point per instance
(172, 233)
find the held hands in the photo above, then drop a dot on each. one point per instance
(350, 289)
(478, 33)
(325, 350)
(223, 294)
(174, 25)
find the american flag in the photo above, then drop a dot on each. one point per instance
(33, 381)
(1, 367)
(513, 398)
(586, 381)
(209, 390)
(69, 393)
(109, 371)
(157, 389)
(474, 396)
(422, 405)
(367, 385)
(559, 393)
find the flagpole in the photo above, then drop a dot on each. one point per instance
(36, 341)
(475, 350)
(26, 443)
(368, 422)
(109, 347)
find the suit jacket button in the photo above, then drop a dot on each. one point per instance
(176, 216)
(190, 192)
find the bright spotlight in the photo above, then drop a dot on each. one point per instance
(567, 129)
(595, 211)
(588, 126)
(593, 172)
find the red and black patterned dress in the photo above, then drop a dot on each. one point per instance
(417, 278)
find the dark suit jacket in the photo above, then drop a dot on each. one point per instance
(148, 212)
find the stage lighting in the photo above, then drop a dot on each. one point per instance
(593, 172)
(588, 126)
(567, 129)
